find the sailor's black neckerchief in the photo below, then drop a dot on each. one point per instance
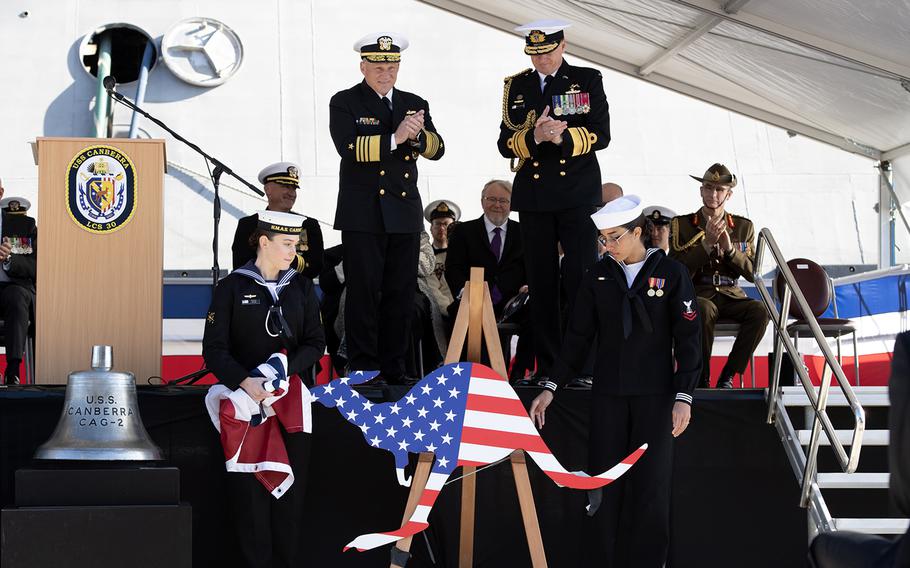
(631, 296)
(275, 314)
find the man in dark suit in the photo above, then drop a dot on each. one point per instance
(280, 183)
(380, 132)
(17, 279)
(554, 117)
(492, 242)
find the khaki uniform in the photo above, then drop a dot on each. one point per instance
(715, 278)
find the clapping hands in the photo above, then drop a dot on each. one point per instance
(548, 129)
(409, 128)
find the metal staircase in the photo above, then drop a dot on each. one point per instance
(809, 406)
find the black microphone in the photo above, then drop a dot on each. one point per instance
(109, 83)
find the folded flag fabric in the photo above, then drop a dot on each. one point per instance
(250, 431)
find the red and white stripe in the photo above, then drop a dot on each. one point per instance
(414, 525)
(496, 423)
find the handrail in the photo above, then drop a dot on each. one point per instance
(818, 400)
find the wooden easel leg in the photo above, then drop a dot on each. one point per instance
(401, 550)
(468, 493)
(474, 320)
(528, 510)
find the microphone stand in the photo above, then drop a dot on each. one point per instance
(219, 168)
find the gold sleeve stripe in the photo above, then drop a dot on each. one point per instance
(432, 144)
(582, 140)
(367, 148)
(578, 141)
(519, 144)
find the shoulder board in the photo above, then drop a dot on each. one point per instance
(520, 73)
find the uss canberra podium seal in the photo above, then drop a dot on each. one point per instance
(101, 189)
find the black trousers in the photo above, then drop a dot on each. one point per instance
(380, 277)
(632, 525)
(540, 234)
(15, 309)
(268, 529)
(752, 317)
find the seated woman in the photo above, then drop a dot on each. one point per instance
(640, 306)
(255, 313)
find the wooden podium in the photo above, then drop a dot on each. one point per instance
(100, 232)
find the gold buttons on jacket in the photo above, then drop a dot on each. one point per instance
(536, 176)
(406, 158)
(563, 161)
(562, 173)
(382, 172)
(381, 192)
(536, 164)
(404, 193)
(406, 175)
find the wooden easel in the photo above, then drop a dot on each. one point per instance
(475, 322)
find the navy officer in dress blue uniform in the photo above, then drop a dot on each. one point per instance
(554, 118)
(639, 307)
(280, 182)
(380, 132)
(659, 218)
(18, 269)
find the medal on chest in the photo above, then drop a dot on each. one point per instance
(572, 102)
(656, 287)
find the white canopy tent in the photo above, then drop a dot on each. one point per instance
(837, 71)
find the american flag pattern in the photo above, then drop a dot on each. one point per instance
(464, 413)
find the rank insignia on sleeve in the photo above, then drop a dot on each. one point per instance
(689, 313)
(210, 318)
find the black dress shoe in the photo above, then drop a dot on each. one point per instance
(377, 381)
(724, 382)
(534, 382)
(580, 383)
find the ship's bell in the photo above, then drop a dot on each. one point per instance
(100, 418)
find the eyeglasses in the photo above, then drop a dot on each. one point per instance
(610, 241)
(499, 200)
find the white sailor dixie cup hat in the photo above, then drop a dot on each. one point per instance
(381, 47)
(618, 212)
(278, 222)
